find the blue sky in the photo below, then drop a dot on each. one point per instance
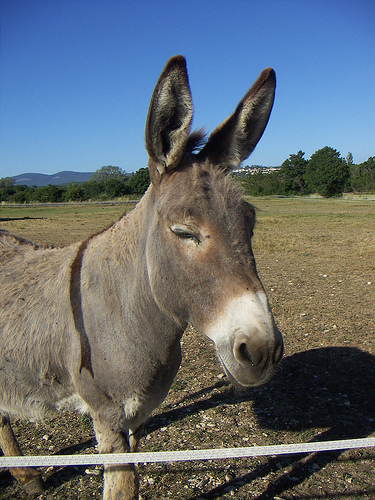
(76, 76)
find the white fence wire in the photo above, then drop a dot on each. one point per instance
(184, 455)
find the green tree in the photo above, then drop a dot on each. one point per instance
(21, 194)
(116, 187)
(363, 176)
(252, 183)
(49, 194)
(262, 184)
(107, 173)
(74, 192)
(140, 181)
(6, 193)
(292, 173)
(6, 182)
(326, 173)
(93, 189)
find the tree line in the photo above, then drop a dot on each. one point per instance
(107, 183)
(325, 173)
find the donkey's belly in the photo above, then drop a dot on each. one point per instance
(29, 395)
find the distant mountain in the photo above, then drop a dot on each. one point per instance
(55, 179)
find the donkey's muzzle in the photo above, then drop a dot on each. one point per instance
(255, 358)
(248, 342)
(255, 354)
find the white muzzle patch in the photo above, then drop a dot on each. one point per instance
(247, 340)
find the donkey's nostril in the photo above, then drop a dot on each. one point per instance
(244, 354)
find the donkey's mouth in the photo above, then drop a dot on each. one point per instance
(244, 378)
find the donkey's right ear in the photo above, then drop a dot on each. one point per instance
(169, 119)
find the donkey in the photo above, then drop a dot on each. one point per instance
(98, 324)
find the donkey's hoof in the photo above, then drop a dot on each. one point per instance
(34, 487)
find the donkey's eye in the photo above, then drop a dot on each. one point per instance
(184, 233)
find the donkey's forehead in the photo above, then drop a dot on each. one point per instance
(200, 190)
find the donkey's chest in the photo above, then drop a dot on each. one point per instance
(141, 373)
(139, 382)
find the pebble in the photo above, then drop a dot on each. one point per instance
(202, 483)
(93, 472)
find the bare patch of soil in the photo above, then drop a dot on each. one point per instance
(316, 259)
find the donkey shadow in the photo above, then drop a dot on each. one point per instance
(331, 388)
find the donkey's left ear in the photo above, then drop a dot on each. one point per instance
(234, 140)
(169, 119)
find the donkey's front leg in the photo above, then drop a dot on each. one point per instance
(120, 481)
(29, 478)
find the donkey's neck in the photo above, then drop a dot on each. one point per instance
(134, 346)
(120, 278)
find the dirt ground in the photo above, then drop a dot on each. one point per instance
(316, 259)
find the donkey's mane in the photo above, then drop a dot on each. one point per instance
(215, 181)
(196, 141)
(7, 238)
(10, 245)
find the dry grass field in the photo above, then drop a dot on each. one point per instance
(316, 259)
